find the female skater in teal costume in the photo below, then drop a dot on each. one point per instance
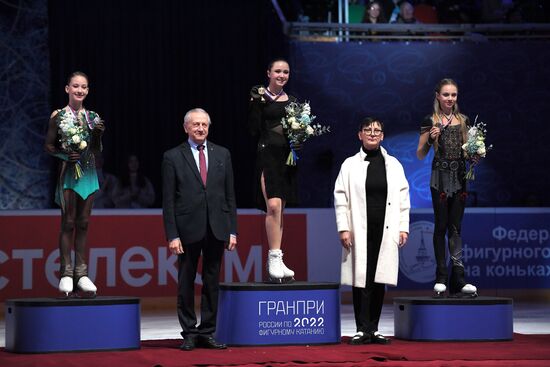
(77, 182)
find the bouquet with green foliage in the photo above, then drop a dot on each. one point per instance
(73, 137)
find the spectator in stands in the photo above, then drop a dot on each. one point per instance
(406, 13)
(393, 10)
(445, 129)
(107, 186)
(371, 238)
(134, 189)
(425, 12)
(374, 13)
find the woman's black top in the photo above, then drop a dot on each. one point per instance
(448, 165)
(264, 121)
(376, 186)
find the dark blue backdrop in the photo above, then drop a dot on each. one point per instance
(143, 100)
(24, 106)
(503, 248)
(505, 83)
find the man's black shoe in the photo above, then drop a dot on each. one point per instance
(377, 338)
(210, 343)
(189, 343)
(360, 338)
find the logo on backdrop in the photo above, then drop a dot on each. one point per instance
(417, 259)
(127, 254)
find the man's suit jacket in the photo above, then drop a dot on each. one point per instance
(188, 206)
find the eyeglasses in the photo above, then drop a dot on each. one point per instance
(375, 132)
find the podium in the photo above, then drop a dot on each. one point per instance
(453, 319)
(40, 325)
(278, 314)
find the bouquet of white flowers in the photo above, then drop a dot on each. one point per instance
(298, 126)
(73, 137)
(475, 148)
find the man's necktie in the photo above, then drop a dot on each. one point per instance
(202, 163)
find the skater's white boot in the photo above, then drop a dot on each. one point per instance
(66, 285)
(469, 289)
(275, 266)
(85, 285)
(286, 271)
(439, 288)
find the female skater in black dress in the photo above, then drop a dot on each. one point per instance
(275, 181)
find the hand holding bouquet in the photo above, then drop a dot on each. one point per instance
(73, 138)
(298, 126)
(474, 148)
(98, 126)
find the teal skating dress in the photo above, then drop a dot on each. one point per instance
(87, 183)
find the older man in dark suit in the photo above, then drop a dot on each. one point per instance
(200, 215)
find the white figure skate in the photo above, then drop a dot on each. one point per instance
(66, 286)
(277, 270)
(440, 289)
(86, 287)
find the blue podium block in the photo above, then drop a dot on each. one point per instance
(278, 314)
(40, 325)
(453, 319)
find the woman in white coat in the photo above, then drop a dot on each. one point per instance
(371, 200)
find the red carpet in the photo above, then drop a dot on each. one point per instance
(524, 350)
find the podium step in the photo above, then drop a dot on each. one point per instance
(278, 314)
(453, 319)
(40, 325)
